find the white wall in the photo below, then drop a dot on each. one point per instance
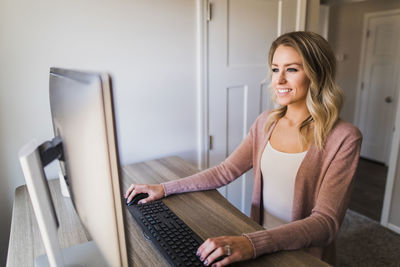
(148, 47)
(345, 36)
(346, 24)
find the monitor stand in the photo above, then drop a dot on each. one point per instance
(33, 158)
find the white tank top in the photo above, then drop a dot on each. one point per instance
(279, 172)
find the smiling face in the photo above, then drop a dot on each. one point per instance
(289, 80)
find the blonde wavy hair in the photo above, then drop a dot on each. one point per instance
(324, 98)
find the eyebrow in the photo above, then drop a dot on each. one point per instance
(294, 63)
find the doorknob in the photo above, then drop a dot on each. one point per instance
(388, 99)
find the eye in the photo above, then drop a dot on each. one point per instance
(292, 70)
(275, 69)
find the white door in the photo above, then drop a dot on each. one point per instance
(379, 87)
(240, 33)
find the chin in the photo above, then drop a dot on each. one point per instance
(282, 102)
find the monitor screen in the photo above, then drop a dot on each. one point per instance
(83, 116)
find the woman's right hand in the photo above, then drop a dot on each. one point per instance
(155, 191)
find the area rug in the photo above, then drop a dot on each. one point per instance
(364, 242)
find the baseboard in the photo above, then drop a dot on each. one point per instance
(394, 228)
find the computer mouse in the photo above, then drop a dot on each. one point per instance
(136, 198)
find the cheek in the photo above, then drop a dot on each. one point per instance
(303, 84)
(273, 81)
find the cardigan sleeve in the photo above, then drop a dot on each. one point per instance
(321, 227)
(231, 168)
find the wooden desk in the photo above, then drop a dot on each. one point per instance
(207, 213)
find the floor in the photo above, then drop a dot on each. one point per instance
(369, 189)
(363, 242)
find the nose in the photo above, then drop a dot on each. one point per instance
(281, 77)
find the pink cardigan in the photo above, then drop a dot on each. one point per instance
(322, 192)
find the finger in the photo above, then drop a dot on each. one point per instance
(207, 247)
(138, 188)
(202, 248)
(147, 199)
(216, 255)
(129, 190)
(131, 196)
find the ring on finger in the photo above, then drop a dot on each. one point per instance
(228, 250)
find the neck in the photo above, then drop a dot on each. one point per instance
(296, 115)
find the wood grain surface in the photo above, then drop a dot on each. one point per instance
(208, 213)
(25, 241)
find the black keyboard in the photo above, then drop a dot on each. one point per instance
(172, 237)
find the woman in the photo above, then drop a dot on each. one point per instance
(304, 159)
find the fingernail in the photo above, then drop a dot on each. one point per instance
(197, 253)
(206, 262)
(201, 258)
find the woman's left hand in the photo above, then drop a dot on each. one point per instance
(225, 249)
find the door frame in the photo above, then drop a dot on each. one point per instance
(358, 103)
(203, 14)
(395, 142)
(393, 170)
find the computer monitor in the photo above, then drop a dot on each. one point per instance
(85, 142)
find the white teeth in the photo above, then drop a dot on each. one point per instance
(284, 90)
